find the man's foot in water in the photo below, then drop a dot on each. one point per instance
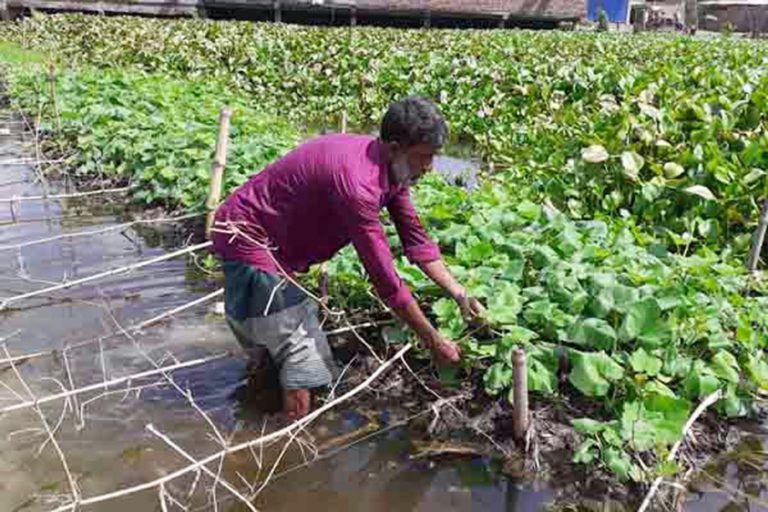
(296, 403)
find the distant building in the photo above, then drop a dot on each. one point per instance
(413, 13)
(743, 15)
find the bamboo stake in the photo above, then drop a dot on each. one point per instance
(116, 227)
(758, 239)
(520, 395)
(298, 424)
(19, 199)
(711, 399)
(134, 328)
(52, 89)
(224, 483)
(112, 382)
(9, 300)
(217, 169)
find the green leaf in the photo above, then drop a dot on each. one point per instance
(758, 370)
(497, 378)
(592, 373)
(586, 452)
(504, 307)
(672, 170)
(529, 210)
(725, 366)
(594, 333)
(642, 362)
(540, 377)
(588, 426)
(632, 164)
(643, 322)
(701, 191)
(594, 154)
(618, 462)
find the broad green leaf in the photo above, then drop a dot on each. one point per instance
(592, 373)
(594, 154)
(632, 164)
(725, 366)
(618, 462)
(586, 452)
(540, 377)
(497, 378)
(701, 191)
(504, 307)
(642, 362)
(587, 426)
(673, 170)
(758, 370)
(594, 333)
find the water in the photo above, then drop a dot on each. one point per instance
(370, 466)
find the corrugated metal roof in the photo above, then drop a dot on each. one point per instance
(563, 9)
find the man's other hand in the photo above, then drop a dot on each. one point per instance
(445, 352)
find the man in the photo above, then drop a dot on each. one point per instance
(304, 208)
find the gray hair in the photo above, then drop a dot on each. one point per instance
(414, 120)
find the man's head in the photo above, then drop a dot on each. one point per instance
(413, 130)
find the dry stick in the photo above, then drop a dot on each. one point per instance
(6, 301)
(520, 395)
(134, 328)
(186, 394)
(72, 484)
(205, 469)
(758, 239)
(711, 399)
(19, 199)
(255, 442)
(117, 227)
(217, 169)
(112, 382)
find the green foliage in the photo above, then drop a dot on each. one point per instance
(157, 132)
(607, 241)
(672, 130)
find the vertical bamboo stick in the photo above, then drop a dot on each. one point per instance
(217, 169)
(52, 92)
(520, 395)
(758, 239)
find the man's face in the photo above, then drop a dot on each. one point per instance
(408, 164)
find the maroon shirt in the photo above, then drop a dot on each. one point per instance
(317, 199)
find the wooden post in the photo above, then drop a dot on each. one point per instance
(217, 169)
(278, 13)
(52, 92)
(520, 395)
(344, 122)
(353, 17)
(758, 239)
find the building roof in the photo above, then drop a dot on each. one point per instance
(555, 9)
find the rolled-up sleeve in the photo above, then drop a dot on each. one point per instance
(370, 242)
(417, 245)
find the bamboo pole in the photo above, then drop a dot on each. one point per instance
(113, 382)
(52, 91)
(520, 395)
(19, 199)
(758, 239)
(217, 169)
(9, 300)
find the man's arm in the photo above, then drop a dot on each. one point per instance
(422, 251)
(372, 247)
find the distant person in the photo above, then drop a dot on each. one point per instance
(305, 207)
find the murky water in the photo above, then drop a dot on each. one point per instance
(367, 459)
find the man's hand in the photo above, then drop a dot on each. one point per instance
(471, 309)
(445, 352)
